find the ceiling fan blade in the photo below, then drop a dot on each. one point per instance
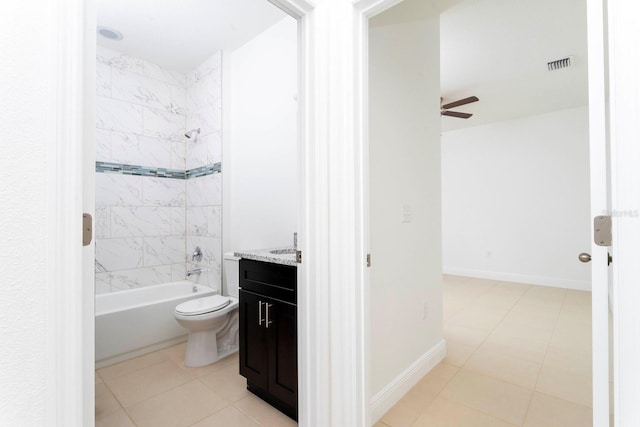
(456, 114)
(460, 102)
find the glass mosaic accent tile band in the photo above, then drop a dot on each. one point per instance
(124, 169)
(204, 170)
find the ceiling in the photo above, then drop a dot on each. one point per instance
(498, 51)
(180, 35)
(494, 49)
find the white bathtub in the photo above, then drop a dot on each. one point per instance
(138, 321)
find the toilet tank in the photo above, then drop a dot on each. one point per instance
(231, 274)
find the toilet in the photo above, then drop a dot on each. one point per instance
(212, 321)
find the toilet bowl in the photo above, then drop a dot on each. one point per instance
(213, 328)
(212, 321)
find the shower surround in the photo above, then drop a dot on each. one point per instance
(158, 194)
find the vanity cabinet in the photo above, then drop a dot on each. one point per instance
(268, 333)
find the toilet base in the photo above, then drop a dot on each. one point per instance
(201, 349)
(209, 346)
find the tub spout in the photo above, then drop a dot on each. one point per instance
(194, 272)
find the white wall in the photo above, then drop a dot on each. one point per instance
(26, 30)
(516, 200)
(404, 169)
(260, 150)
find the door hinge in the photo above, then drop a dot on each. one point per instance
(87, 229)
(299, 257)
(602, 234)
(368, 260)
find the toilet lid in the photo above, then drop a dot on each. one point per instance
(203, 305)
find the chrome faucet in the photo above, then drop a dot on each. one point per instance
(295, 241)
(194, 272)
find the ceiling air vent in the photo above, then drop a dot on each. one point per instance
(559, 64)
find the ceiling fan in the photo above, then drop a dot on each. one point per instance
(444, 108)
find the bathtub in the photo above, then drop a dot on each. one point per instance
(138, 321)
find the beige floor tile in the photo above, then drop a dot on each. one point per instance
(263, 413)
(572, 335)
(229, 362)
(497, 398)
(420, 396)
(572, 313)
(403, 414)
(105, 402)
(478, 318)
(520, 319)
(497, 301)
(176, 352)
(451, 308)
(522, 347)
(545, 293)
(132, 365)
(565, 385)
(227, 417)
(520, 330)
(380, 424)
(117, 419)
(548, 411)
(98, 379)
(148, 382)
(179, 407)
(227, 383)
(437, 378)
(481, 283)
(506, 368)
(576, 360)
(448, 279)
(465, 335)
(458, 354)
(505, 290)
(536, 305)
(445, 413)
(582, 298)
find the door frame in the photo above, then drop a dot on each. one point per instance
(622, 39)
(599, 202)
(333, 235)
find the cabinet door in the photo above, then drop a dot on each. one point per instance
(254, 364)
(283, 352)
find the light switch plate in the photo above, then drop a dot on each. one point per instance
(407, 213)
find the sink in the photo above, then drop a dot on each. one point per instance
(284, 251)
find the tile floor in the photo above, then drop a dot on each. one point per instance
(158, 390)
(517, 355)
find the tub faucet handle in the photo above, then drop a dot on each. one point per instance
(197, 254)
(295, 241)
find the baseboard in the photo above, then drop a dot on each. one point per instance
(393, 392)
(579, 285)
(138, 352)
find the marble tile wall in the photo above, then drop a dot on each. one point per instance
(140, 220)
(148, 226)
(204, 193)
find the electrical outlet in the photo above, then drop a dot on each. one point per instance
(425, 310)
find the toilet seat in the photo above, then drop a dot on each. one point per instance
(204, 305)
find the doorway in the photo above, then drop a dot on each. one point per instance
(403, 214)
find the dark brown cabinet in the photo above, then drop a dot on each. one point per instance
(268, 333)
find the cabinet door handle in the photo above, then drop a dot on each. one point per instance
(259, 313)
(267, 321)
